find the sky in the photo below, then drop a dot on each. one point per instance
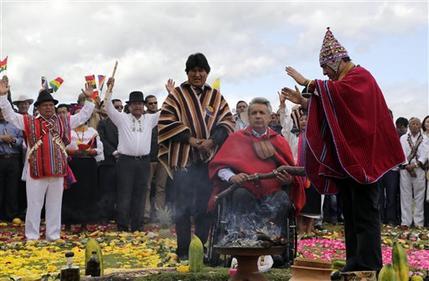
(247, 43)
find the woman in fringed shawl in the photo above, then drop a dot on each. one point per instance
(195, 120)
(351, 144)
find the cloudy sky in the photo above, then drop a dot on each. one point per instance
(247, 43)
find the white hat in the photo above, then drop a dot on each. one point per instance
(23, 98)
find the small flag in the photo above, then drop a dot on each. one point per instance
(216, 84)
(56, 83)
(91, 80)
(101, 79)
(3, 65)
(44, 83)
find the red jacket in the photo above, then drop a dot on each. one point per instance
(237, 153)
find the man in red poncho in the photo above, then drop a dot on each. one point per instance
(256, 149)
(351, 144)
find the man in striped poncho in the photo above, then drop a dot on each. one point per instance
(195, 120)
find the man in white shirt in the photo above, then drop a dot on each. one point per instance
(46, 136)
(133, 167)
(412, 175)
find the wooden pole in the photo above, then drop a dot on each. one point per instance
(109, 88)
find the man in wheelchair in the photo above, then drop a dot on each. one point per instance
(256, 203)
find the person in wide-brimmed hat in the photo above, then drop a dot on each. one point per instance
(46, 136)
(23, 103)
(133, 166)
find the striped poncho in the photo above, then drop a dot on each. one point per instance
(46, 141)
(186, 112)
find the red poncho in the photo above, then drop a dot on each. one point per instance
(349, 132)
(237, 153)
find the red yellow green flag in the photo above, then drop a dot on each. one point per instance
(3, 65)
(56, 83)
(91, 80)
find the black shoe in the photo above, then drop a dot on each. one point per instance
(183, 258)
(336, 276)
(278, 261)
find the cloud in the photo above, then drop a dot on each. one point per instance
(243, 41)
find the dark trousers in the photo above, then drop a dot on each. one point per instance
(132, 174)
(107, 188)
(389, 197)
(10, 174)
(192, 191)
(361, 225)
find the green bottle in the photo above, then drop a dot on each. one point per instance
(93, 265)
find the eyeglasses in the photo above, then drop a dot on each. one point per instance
(152, 103)
(119, 107)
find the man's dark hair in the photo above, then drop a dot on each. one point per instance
(240, 101)
(401, 121)
(115, 100)
(197, 60)
(64, 105)
(423, 123)
(346, 59)
(148, 97)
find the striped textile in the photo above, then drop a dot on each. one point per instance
(185, 111)
(46, 141)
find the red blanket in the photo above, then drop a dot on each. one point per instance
(349, 132)
(237, 153)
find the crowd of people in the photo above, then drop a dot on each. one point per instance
(96, 161)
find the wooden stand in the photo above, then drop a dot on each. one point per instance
(247, 259)
(310, 270)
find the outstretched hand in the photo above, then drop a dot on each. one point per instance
(4, 87)
(89, 91)
(293, 95)
(298, 77)
(282, 100)
(170, 86)
(110, 83)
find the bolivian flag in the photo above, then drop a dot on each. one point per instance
(56, 83)
(91, 80)
(3, 65)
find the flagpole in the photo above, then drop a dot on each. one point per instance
(109, 87)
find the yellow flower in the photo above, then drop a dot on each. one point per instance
(183, 268)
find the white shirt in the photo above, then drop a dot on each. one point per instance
(134, 134)
(422, 152)
(18, 119)
(85, 137)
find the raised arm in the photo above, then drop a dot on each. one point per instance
(113, 114)
(9, 114)
(83, 115)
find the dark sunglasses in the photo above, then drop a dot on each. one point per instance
(150, 103)
(119, 106)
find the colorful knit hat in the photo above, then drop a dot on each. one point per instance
(332, 51)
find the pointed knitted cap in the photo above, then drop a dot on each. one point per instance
(332, 51)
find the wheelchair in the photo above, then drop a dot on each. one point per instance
(219, 227)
